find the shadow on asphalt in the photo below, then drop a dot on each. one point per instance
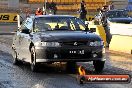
(60, 69)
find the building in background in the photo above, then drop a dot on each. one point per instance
(9, 3)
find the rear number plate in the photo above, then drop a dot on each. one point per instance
(76, 51)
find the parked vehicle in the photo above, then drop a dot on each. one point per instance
(119, 22)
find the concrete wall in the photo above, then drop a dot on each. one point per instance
(119, 4)
(121, 43)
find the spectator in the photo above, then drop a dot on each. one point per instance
(51, 7)
(83, 14)
(44, 11)
(28, 11)
(111, 6)
(83, 4)
(82, 11)
(39, 12)
(103, 20)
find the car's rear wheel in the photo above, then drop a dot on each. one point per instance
(34, 66)
(98, 65)
(15, 58)
(71, 67)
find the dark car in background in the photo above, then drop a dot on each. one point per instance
(57, 38)
(119, 21)
(118, 16)
(117, 13)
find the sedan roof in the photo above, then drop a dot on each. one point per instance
(54, 16)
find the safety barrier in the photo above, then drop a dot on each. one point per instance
(121, 43)
(8, 17)
(121, 38)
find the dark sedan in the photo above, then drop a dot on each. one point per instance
(119, 22)
(118, 16)
(50, 38)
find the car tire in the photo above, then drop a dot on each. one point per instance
(15, 58)
(98, 66)
(34, 66)
(71, 67)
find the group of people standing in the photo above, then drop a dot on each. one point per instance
(51, 7)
